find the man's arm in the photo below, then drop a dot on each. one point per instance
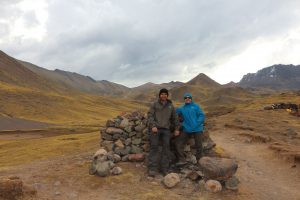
(151, 116)
(174, 119)
(200, 115)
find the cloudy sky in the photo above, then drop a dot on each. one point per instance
(137, 41)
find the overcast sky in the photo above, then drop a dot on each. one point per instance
(136, 41)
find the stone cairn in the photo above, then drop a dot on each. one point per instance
(125, 138)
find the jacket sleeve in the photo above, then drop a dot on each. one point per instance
(174, 119)
(151, 116)
(200, 115)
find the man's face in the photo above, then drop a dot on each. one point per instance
(163, 96)
(187, 99)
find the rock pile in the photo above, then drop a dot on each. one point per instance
(127, 136)
(104, 164)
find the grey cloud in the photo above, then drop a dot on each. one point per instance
(155, 39)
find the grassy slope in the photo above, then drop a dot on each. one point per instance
(51, 107)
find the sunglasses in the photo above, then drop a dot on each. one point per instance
(187, 98)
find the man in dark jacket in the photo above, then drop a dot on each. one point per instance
(192, 126)
(161, 115)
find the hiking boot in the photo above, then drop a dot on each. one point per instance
(151, 173)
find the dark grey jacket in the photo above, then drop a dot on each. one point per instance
(162, 116)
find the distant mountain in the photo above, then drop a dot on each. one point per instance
(203, 81)
(149, 91)
(231, 84)
(200, 86)
(277, 77)
(14, 73)
(77, 81)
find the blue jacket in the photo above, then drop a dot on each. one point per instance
(193, 117)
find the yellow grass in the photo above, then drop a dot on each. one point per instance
(15, 152)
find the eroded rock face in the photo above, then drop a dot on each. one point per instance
(218, 168)
(171, 180)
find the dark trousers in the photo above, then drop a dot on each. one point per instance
(163, 136)
(181, 141)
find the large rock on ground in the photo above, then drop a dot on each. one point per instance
(171, 180)
(218, 168)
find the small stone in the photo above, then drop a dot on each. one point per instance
(100, 154)
(193, 175)
(117, 136)
(146, 147)
(137, 141)
(124, 123)
(119, 144)
(116, 171)
(57, 183)
(136, 157)
(110, 123)
(117, 158)
(106, 137)
(128, 141)
(57, 193)
(113, 130)
(213, 186)
(140, 128)
(131, 134)
(171, 180)
(232, 183)
(125, 158)
(136, 150)
(107, 145)
(128, 129)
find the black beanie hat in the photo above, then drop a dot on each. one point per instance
(164, 90)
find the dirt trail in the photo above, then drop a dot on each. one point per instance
(262, 173)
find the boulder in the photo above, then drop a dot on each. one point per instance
(218, 168)
(171, 180)
(213, 186)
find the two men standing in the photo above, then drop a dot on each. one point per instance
(161, 116)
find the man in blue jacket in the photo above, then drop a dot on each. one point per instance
(192, 126)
